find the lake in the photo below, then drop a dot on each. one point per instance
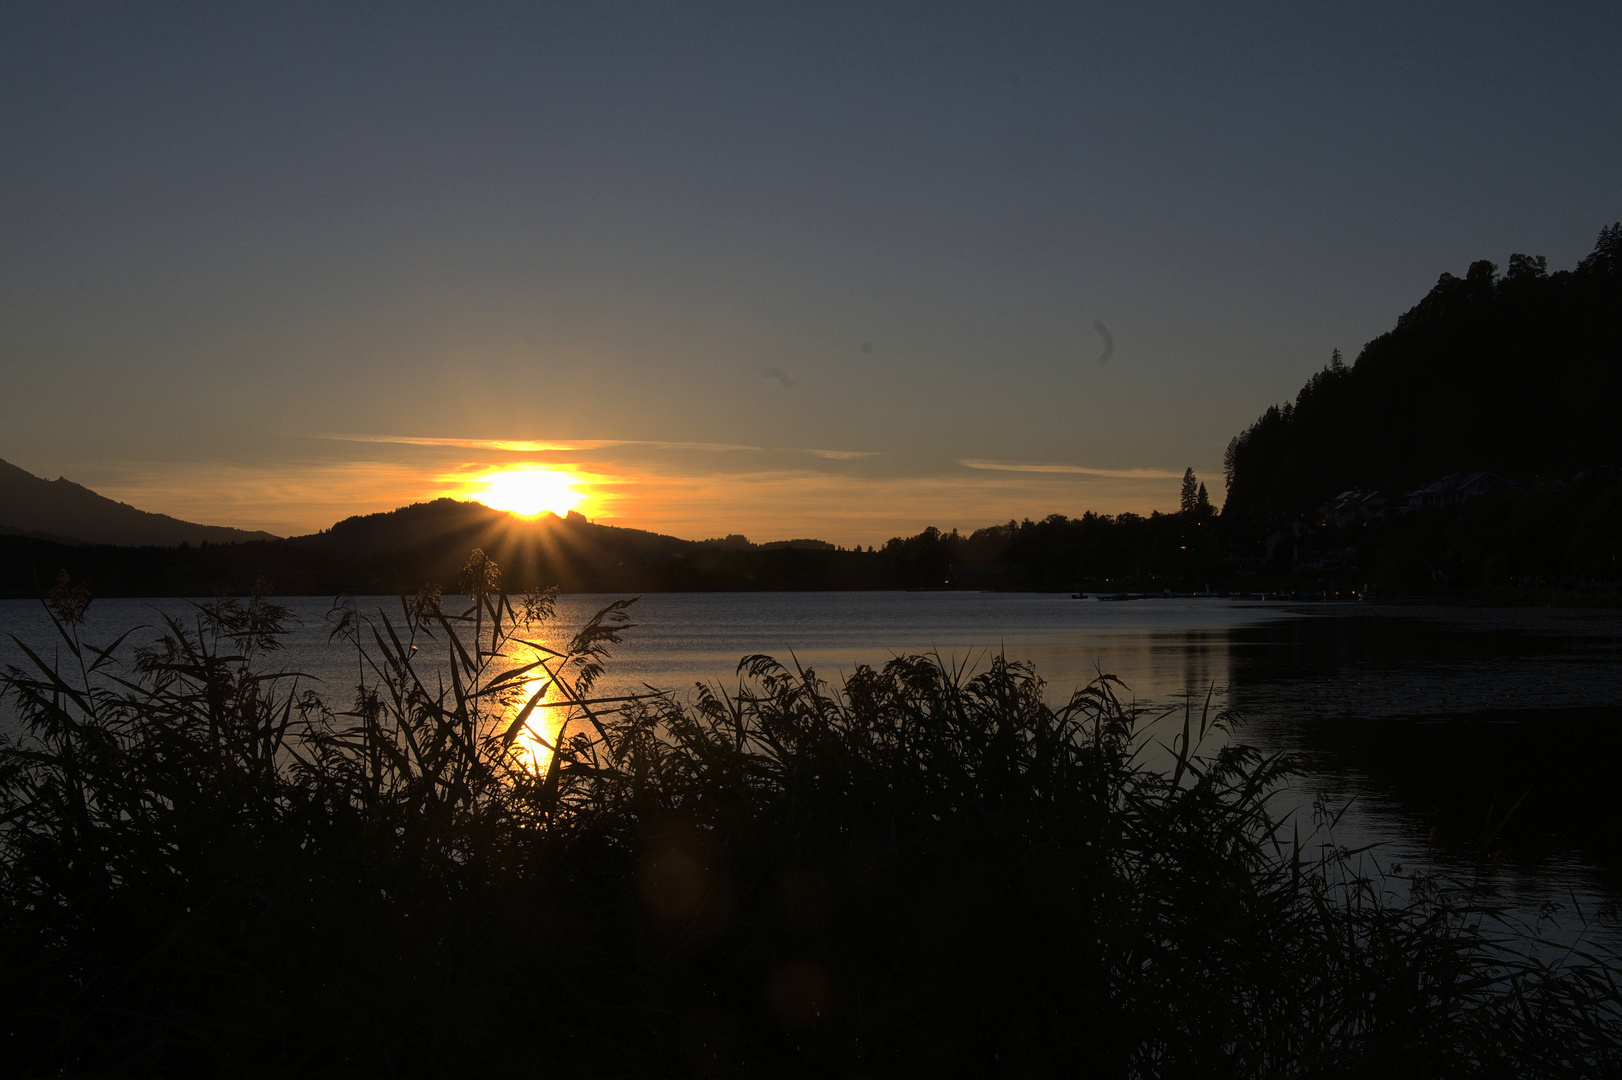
(1433, 723)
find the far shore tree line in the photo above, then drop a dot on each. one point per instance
(1537, 537)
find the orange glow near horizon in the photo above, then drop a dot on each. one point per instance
(692, 502)
(527, 491)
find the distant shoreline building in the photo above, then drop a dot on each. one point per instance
(1351, 507)
(1454, 489)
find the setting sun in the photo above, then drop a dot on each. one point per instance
(528, 491)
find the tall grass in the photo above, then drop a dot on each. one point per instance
(206, 868)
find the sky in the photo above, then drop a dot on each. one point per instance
(820, 270)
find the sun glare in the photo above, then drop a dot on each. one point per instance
(528, 491)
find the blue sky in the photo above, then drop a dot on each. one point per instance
(826, 270)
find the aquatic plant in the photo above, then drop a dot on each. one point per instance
(206, 868)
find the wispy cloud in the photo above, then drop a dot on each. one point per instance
(842, 455)
(545, 446)
(1081, 470)
(533, 446)
(774, 495)
(777, 504)
(781, 376)
(712, 447)
(528, 446)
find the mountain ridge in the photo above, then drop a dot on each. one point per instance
(65, 512)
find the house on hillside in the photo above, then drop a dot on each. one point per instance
(1353, 507)
(1307, 547)
(1315, 559)
(1288, 534)
(1453, 489)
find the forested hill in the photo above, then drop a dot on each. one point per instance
(1518, 374)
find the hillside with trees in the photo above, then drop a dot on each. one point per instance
(1518, 374)
(427, 543)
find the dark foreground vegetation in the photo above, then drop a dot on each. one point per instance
(205, 869)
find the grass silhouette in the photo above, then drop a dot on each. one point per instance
(206, 869)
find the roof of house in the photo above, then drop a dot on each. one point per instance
(1455, 482)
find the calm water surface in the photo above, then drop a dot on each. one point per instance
(1430, 722)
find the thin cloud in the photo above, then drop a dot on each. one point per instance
(518, 445)
(531, 446)
(714, 447)
(1081, 470)
(842, 455)
(538, 446)
(844, 508)
(780, 375)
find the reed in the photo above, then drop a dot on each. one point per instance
(205, 868)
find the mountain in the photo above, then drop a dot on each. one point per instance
(403, 550)
(428, 542)
(63, 511)
(1518, 375)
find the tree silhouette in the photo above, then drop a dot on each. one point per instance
(1191, 492)
(1523, 267)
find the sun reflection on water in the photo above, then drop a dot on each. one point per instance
(531, 747)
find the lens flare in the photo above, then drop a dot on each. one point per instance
(528, 492)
